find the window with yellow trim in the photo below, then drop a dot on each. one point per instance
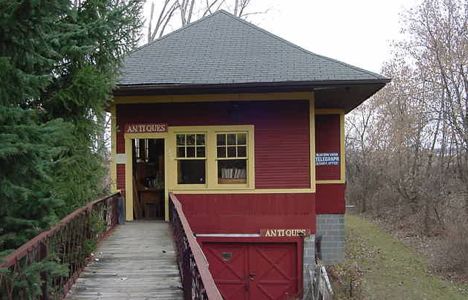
(191, 158)
(232, 154)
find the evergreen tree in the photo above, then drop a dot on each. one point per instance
(59, 61)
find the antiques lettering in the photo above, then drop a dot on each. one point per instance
(284, 232)
(146, 128)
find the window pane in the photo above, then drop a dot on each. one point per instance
(190, 152)
(137, 148)
(181, 139)
(221, 139)
(232, 171)
(231, 151)
(180, 151)
(200, 151)
(221, 152)
(200, 139)
(191, 171)
(144, 149)
(231, 139)
(190, 139)
(241, 139)
(241, 151)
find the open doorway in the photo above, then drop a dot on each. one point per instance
(148, 179)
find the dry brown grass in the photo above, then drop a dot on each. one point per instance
(453, 252)
(379, 266)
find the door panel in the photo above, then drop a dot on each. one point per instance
(274, 271)
(229, 267)
(254, 270)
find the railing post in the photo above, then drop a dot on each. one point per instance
(43, 253)
(120, 210)
(68, 240)
(187, 273)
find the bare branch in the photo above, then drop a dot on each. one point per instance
(165, 15)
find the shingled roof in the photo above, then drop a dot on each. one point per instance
(223, 50)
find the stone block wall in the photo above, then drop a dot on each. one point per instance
(331, 228)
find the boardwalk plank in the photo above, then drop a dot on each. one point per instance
(138, 261)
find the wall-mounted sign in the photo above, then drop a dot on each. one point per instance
(146, 128)
(284, 232)
(327, 159)
(121, 158)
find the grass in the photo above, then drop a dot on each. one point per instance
(378, 266)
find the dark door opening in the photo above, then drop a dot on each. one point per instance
(148, 179)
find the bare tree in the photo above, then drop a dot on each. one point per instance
(240, 6)
(440, 43)
(165, 15)
(408, 148)
(189, 10)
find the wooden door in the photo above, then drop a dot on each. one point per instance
(273, 271)
(254, 270)
(229, 267)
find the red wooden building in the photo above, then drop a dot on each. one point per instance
(247, 130)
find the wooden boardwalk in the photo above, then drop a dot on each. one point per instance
(137, 261)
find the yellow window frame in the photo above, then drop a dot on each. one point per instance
(246, 158)
(211, 171)
(174, 176)
(341, 113)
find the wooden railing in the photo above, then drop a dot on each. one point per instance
(196, 279)
(28, 272)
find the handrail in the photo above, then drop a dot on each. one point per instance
(197, 281)
(68, 243)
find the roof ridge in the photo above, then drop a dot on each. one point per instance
(258, 28)
(179, 29)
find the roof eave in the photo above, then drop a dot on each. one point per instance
(168, 88)
(340, 94)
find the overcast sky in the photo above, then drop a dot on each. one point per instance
(358, 32)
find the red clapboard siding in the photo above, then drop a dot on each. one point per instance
(248, 213)
(120, 145)
(327, 140)
(281, 132)
(121, 176)
(330, 199)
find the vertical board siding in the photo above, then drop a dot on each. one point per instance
(327, 140)
(281, 132)
(248, 213)
(120, 145)
(330, 199)
(120, 176)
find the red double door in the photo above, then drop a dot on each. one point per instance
(254, 271)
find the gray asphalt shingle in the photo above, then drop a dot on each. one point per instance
(223, 49)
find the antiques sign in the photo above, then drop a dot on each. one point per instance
(284, 232)
(146, 128)
(327, 159)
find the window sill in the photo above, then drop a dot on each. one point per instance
(190, 187)
(217, 187)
